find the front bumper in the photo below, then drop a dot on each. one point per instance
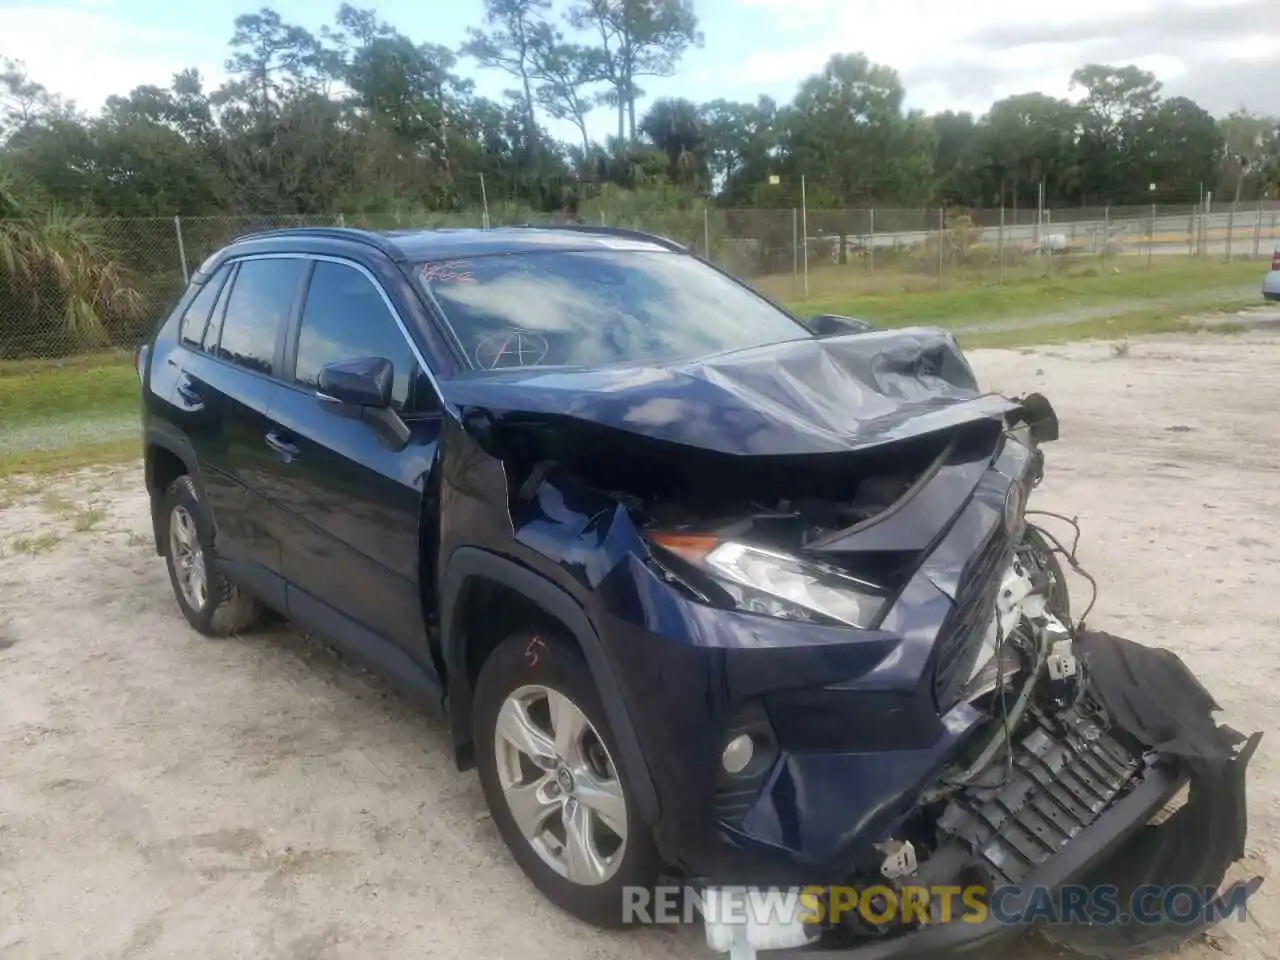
(1076, 808)
(1159, 784)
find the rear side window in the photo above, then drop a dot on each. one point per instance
(195, 322)
(345, 318)
(260, 302)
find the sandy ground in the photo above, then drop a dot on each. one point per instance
(164, 795)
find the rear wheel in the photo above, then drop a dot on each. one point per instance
(210, 602)
(546, 758)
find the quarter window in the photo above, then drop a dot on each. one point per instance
(195, 322)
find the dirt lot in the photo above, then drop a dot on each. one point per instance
(165, 795)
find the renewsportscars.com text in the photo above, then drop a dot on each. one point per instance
(1102, 904)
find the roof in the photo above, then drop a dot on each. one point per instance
(467, 242)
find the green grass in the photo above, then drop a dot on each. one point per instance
(903, 300)
(1169, 319)
(44, 391)
(40, 543)
(61, 460)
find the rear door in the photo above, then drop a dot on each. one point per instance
(225, 391)
(352, 506)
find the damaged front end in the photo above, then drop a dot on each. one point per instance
(848, 655)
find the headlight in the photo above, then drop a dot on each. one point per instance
(1015, 509)
(776, 584)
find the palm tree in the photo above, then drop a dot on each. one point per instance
(61, 290)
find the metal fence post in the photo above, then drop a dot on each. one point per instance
(1106, 230)
(1151, 236)
(1000, 243)
(795, 245)
(1257, 231)
(942, 241)
(804, 230)
(182, 250)
(871, 246)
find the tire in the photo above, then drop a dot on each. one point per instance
(511, 686)
(220, 608)
(1047, 557)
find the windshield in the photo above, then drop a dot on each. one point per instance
(597, 307)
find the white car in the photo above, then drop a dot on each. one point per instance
(1271, 282)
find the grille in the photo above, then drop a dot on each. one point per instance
(1062, 780)
(960, 639)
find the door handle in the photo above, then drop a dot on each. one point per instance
(285, 450)
(188, 392)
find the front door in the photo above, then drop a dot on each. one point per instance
(352, 506)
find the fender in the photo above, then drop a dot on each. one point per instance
(165, 438)
(467, 562)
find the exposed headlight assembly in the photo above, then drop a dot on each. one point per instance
(776, 584)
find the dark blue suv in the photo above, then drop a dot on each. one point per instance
(705, 590)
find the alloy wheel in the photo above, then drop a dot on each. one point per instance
(560, 784)
(187, 557)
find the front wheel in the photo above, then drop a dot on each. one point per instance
(546, 759)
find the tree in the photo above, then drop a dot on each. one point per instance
(1246, 142)
(23, 102)
(565, 72)
(675, 127)
(742, 145)
(60, 287)
(637, 38)
(1184, 148)
(958, 158)
(512, 43)
(271, 58)
(1031, 138)
(1118, 108)
(846, 130)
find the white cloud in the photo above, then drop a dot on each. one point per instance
(86, 54)
(964, 56)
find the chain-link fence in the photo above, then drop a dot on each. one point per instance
(89, 284)
(78, 294)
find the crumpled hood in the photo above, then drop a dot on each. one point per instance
(807, 396)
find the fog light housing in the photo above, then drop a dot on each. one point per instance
(737, 753)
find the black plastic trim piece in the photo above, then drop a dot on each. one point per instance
(468, 562)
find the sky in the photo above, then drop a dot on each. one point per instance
(1224, 54)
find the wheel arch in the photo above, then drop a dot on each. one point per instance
(469, 566)
(166, 458)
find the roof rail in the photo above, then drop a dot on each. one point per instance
(367, 237)
(609, 232)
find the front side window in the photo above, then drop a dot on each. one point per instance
(598, 307)
(261, 299)
(345, 318)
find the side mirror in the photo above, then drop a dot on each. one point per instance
(360, 389)
(362, 382)
(832, 325)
